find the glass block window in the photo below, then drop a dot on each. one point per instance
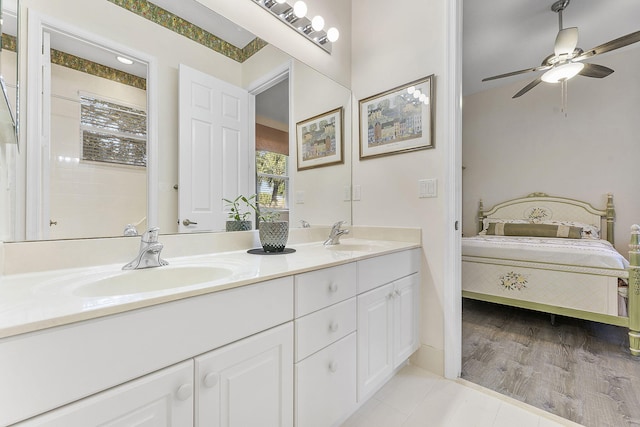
(112, 133)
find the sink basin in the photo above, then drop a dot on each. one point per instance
(149, 280)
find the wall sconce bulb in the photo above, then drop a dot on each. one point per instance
(300, 9)
(333, 34)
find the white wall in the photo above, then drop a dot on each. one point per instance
(515, 147)
(394, 44)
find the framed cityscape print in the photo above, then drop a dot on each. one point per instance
(398, 120)
(319, 140)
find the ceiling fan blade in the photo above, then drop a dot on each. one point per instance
(566, 41)
(595, 70)
(610, 45)
(528, 87)
(515, 73)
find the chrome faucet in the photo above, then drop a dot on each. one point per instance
(336, 232)
(149, 255)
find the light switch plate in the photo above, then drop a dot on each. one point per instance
(427, 188)
(299, 197)
(357, 192)
(346, 194)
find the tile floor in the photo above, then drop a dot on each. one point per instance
(418, 398)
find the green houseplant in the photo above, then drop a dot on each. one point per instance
(273, 232)
(240, 209)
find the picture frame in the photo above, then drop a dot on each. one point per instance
(319, 140)
(398, 121)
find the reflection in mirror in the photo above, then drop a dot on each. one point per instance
(8, 139)
(319, 196)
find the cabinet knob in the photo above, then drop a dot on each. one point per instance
(210, 380)
(333, 287)
(184, 391)
(333, 366)
(333, 327)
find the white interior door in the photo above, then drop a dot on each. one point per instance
(213, 149)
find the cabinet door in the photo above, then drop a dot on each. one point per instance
(406, 301)
(326, 385)
(164, 398)
(248, 383)
(375, 339)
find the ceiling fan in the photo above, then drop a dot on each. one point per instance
(566, 60)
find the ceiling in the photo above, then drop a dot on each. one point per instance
(500, 36)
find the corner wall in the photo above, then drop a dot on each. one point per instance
(393, 45)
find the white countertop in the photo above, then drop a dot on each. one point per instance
(34, 301)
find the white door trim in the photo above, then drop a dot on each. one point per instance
(452, 293)
(34, 181)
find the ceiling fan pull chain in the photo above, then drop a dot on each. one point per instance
(564, 96)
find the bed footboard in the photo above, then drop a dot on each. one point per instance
(634, 291)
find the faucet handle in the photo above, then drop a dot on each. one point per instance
(151, 235)
(338, 224)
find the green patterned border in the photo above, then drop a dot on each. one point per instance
(185, 28)
(80, 64)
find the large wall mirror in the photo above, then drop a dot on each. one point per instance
(100, 149)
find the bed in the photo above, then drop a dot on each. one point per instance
(554, 255)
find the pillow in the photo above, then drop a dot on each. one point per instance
(588, 231)
(534, 230)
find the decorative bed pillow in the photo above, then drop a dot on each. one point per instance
(588, 231)
(534, 230)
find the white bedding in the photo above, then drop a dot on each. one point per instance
(582, 252)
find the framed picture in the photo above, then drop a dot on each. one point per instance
(398, 120)
(319, 140)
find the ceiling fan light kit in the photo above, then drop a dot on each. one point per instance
(562, 72)
(566, 61)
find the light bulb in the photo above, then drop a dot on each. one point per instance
(300, 9)
(417, 94)
(124, 60)
(317, 23)
(333, 34)
(280, 1)
(411, 89)
(562, 72)
(423, 97)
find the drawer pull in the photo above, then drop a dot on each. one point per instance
(210, 380)
(184, 392)
(333, 366)
(333, 327)
(333, 288)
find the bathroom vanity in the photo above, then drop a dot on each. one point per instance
(299, 339)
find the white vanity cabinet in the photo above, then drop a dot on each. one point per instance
(248, 383)
(72, 364)
(245, 384)
(388, 317)
(164, 398)
(325, 325)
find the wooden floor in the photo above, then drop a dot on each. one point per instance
(579, 370)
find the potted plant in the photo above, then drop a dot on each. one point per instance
(273, 232)
(238, 214)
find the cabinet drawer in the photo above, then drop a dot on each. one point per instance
(317, 330)
(326, 384)
(321, 288)
(378, 271)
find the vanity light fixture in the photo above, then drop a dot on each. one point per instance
(296, 17)
(124, 60)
